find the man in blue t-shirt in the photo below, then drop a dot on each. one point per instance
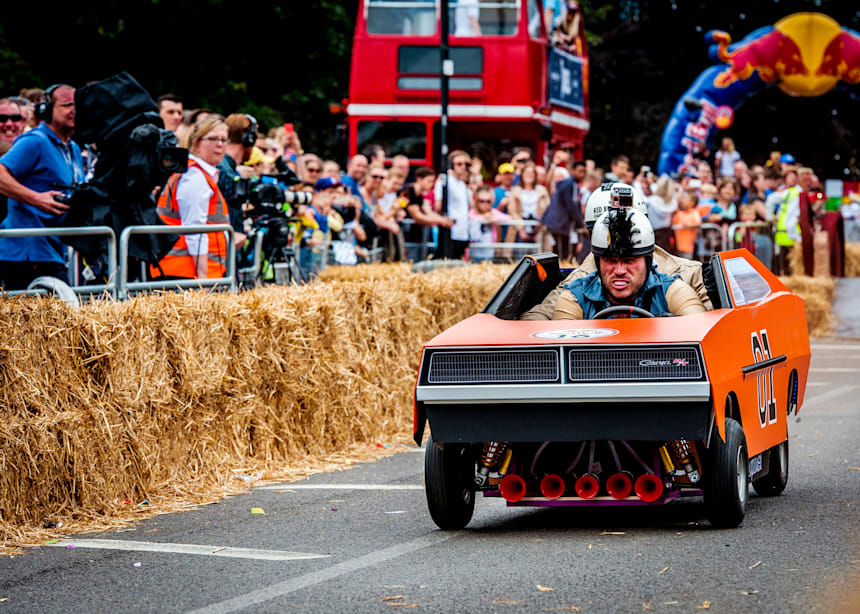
(39, 159)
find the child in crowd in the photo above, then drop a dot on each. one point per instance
(708, 208)
(745, 237)
(484, 224)
(688, 217)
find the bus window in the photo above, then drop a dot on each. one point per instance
(407, 138)
(534, 18)
(484, 18)
(404, 17)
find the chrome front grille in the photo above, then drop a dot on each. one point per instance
(500, 366)
(675, 363)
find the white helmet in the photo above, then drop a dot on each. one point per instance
(612, 194)
(622, 232)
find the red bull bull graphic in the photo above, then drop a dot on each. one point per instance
(804, 54)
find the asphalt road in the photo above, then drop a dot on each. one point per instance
(361, 540)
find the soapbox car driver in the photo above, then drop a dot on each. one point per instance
(622, 243)
(601, 200)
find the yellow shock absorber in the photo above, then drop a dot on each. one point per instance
(506, 462)
(491, 455)
(668, 465)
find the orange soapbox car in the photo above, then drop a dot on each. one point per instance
(636, 411)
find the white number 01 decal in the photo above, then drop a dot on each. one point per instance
(764, 379)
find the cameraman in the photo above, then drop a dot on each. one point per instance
(39, 159)
(240, 132)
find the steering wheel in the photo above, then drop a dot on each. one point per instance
(615, 310)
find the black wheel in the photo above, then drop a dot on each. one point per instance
(774, 481)
(727, 477)
(448, 477)
(627, 310)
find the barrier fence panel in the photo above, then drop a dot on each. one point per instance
(124, 286)
(75, 231)
(761, 244)
(505, 251)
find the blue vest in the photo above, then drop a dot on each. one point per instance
(588, 292)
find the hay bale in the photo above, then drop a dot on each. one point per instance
(365, 271)
(852, 260)
(164, 397)
(817, 295)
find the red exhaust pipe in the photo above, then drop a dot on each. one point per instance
(552, 486)
(648, 487)
(587, 486)
(619, 485)
(512, 488)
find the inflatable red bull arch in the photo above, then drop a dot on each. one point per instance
(804, 54)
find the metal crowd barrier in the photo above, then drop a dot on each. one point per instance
(75, 231)
(124, 286)
(253, 272)
(504, 251)
(700, 237)
(765, 247)
(732, 244)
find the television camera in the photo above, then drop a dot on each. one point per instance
(271, 207)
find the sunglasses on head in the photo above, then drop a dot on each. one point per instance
(523, 160)
(15, 118)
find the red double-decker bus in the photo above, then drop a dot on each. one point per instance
(509, 87)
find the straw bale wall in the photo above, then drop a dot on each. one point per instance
(817, 295)
(852, 259)
(168, 395)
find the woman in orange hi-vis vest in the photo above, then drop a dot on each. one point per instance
(192, 198)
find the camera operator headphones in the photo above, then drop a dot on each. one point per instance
(44, 109)
(249, 137)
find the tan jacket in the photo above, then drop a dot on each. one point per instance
(682, 300)
(690, 271)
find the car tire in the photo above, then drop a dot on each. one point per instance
(774, 481)
(449, 472)
(727, 478)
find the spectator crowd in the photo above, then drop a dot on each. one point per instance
(383, 206)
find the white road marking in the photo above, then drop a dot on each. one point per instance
(834, 370)
(830, 394)
(808, 384)
(248, 600)
(236, 553)
(341, 487)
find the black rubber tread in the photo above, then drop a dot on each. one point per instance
(724, 504)
(448, 477)
(775, 480)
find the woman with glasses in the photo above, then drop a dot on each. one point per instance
(528, 201)
(373, 188)
(193, 198)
